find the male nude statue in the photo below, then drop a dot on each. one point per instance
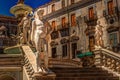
(39, 36)
(25, 25)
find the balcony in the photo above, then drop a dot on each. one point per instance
(111, 15)
(54, 35)
(64, 32)
(90, 30)
(91, 21)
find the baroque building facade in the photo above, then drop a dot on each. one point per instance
(74, 23)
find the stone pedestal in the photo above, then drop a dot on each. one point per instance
(40, 76)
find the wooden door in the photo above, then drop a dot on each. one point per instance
(91, 43)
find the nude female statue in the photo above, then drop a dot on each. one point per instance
(39, 36)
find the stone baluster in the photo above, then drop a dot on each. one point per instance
(29, 68)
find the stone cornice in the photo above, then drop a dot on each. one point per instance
(70, 8)
(6, 18)
(45, 5)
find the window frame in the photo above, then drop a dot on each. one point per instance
(110, 7)
(73, 19)
(63, 21)
(53, 7)
(72, 1)
(114, 36)
(91, 13)
(54, 25)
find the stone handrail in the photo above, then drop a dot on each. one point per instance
(108, 59)
(30, 55)
(30, 66)
(66, 62)
(29, 62)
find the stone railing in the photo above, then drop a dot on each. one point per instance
(108, 60)
(64, 63)
(30, 68)
(29, 62)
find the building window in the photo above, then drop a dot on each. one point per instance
(63, 3)
(53, 7)
(91, 43)
(74, 49)
(63, 22)
(72, 1)
(113, 39)
(53, 25)
(91, 13)
(110, 7)
(54, 52)
(73, 20)
(64, 50)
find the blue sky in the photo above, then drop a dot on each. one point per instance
(5, 5)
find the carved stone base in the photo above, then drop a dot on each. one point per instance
(41, 76)
(97, 47)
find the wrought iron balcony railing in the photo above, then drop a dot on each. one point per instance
(54, 35)
(91, 21)
(111, 12)
(64, 32)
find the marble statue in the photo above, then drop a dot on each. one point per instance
(98, 35)
(2, 30)
(25, 25)
(39, 37)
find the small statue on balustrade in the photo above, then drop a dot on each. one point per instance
(98, 35)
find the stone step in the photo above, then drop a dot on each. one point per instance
(83, 74)
(78, 70)
(87, 78)
(94, 73)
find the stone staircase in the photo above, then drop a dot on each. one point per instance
(94, 73)
(29, 63)
(63, 63)
(28, 69)
(66, 69)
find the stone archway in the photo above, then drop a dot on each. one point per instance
(6, 77)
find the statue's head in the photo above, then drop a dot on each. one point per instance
(26, 13)
(40, 13)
